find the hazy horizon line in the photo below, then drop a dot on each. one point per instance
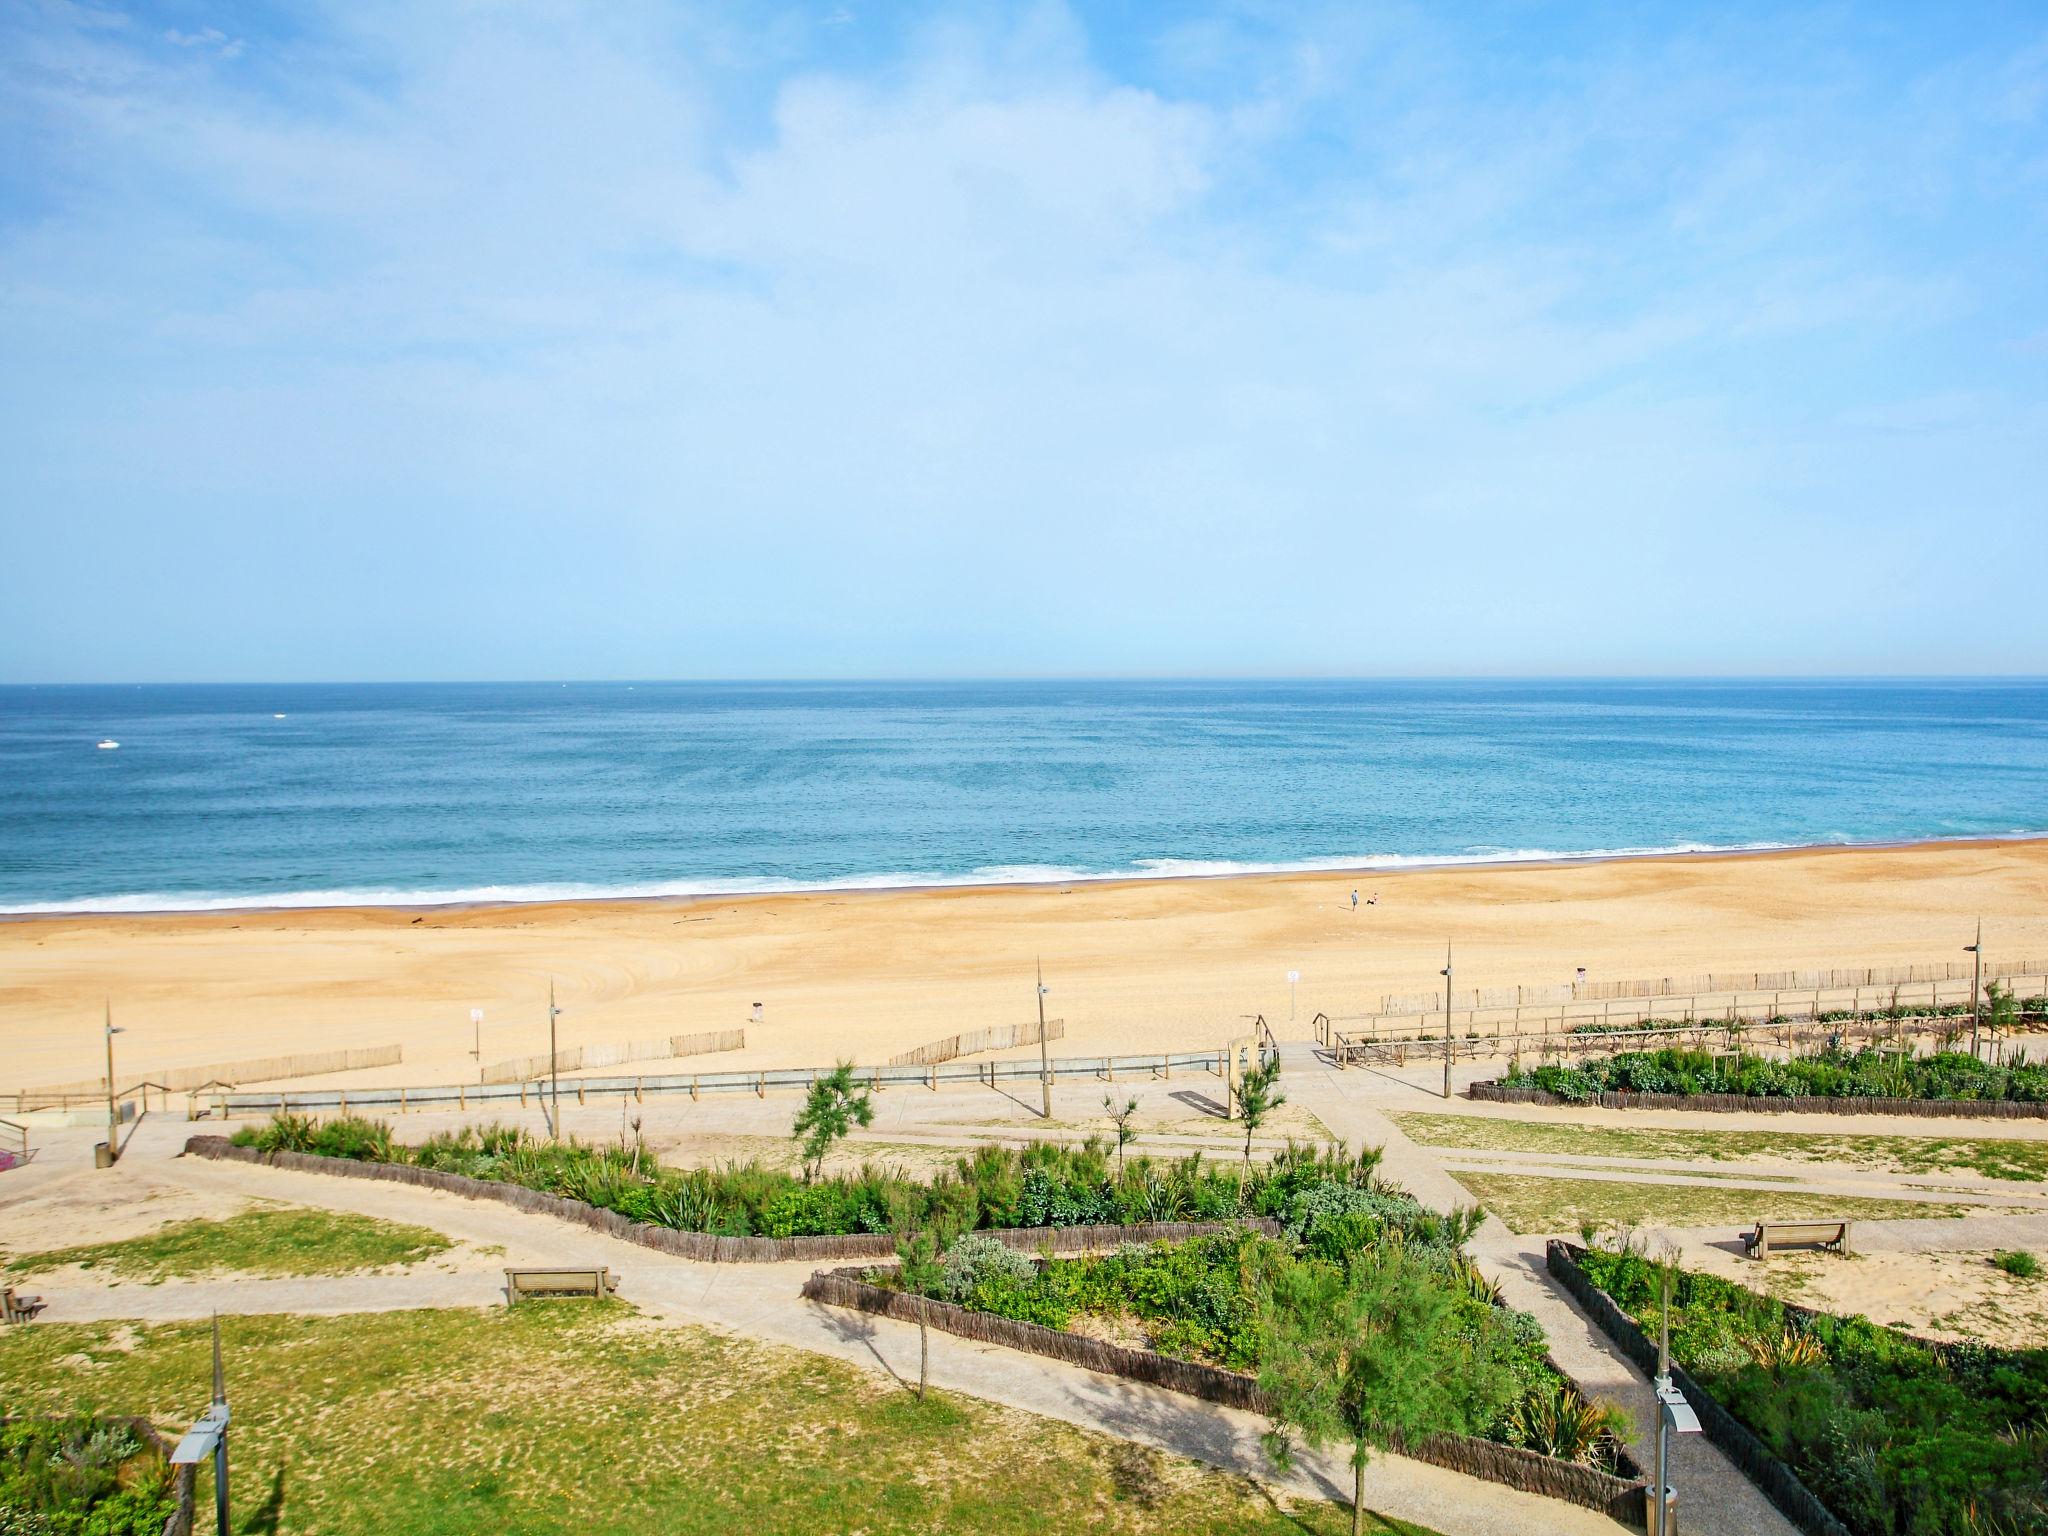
(1023, 678)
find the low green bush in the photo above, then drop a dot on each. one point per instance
(80, 1477)
(1828, 1074)
(1324, 1196)
(1892, 1435)
(2018, 1263)
(1205, 1299)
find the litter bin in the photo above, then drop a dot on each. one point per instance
(102, 1155)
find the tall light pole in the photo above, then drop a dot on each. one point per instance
(1044, 1058)
(1976, 985)
(207, 1440)
(1674, 1416)
(113, 1110)
(554, 1064)
(1292, 978)
(1447, 1018)
(476, 1024)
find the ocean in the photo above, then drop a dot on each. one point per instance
(313, 795)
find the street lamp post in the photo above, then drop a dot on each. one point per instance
(1044, 1057)
(476, 1024)
(1293, 977)
(1976, 951)
(113, 1109)
(1674, 1417)
(554, 1065)
(1447, 1019)
(207, 1440)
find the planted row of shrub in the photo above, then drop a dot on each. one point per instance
(1892, 1434)
(1213, 1300)
(1867, 1073)
(1041, 1185)
(81, 1476)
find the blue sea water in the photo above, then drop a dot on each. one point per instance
(298, 795)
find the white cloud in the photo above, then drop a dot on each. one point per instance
(540, 303)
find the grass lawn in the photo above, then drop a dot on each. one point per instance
(1996, 1157)
(1531, 1203)
(568, 1418)
(265, 1240)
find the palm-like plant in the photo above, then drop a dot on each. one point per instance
(1568, 1427)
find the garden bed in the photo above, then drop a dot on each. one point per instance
(1514, 1466)
(105, 1476)
(1851, 1429)
(1831, 1082)
(706, 1247)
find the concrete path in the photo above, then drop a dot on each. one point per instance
(761, 1301)
(1715, 1497)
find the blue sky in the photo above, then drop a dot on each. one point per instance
(608, 340)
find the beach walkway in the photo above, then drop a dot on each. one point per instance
(1714, 1496)
(1362, 1106)
(759, 1302)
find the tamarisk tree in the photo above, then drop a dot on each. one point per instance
(830, 1111)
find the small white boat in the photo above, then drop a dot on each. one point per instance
(277, 717)
(109, 744)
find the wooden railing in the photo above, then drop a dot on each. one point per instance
(28, 1100)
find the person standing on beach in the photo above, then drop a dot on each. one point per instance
(1354, 900)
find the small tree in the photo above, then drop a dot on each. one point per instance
(923, 1233)
(1121, 1119)
(1256, 1099)
(2001, 1009)
(830, 1111)
(1372, 1354)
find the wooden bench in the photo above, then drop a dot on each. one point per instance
(1796, 1234)
(17, 1308)
(596, 1283)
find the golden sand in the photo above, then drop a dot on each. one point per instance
(1134, 965)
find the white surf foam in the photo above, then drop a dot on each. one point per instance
(989, 875)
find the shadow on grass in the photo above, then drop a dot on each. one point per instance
(853, 1326)
(268, 1519)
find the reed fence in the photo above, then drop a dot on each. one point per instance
(185, 1079)
(1510, 1466)
(1711, 983)
(997, 1037)
(1779, 1483)
(1727, 1103)
(577, 1057)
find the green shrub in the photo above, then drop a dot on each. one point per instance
(2018, 1263)
(1044, 1184)
(1829, 1074)
(80, 1477)
(1892, 1434)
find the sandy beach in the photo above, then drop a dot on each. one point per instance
(1133, 966)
